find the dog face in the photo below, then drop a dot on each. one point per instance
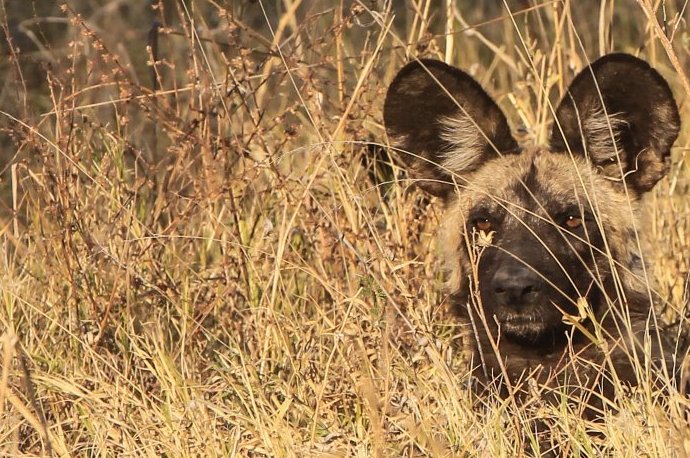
(535, 239)
(532, 234)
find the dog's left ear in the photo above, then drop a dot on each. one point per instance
(621, 114)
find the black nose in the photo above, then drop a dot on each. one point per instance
(516, 286)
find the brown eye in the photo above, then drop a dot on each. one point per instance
(573, 222)
(483, 224)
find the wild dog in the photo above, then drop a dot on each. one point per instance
(540, 243)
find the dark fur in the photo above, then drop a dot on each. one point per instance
(536, 269)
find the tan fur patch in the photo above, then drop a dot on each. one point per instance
(465, 143)
(603, 133)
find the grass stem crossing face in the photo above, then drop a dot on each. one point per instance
(533, 233)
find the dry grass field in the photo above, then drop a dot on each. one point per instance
(207, 251)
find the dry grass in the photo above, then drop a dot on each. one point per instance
(201, 258)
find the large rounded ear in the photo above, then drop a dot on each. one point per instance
(621, 114)
(442, 123)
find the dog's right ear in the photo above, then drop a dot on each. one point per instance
(443, 124)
